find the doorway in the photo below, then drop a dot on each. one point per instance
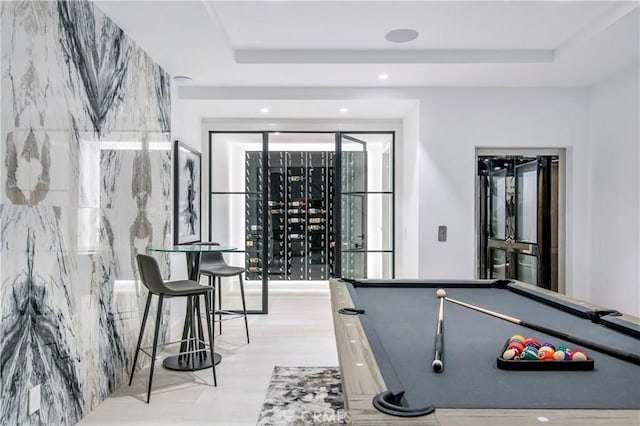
(365, 183)
(517, 215)
(302, 206)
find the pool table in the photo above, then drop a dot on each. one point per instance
(390, 347)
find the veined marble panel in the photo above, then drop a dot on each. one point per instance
(39, 322)
(86, 173)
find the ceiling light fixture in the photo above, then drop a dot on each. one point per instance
(344, 110)
(181, 78)
(383, 76)
(264, 110)
(401, 35)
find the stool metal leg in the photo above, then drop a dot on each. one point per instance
(220, 304)
(185, 332)
(144, 323)
(194, 333)
(244, 307)
(155, 345)
(200, 337)
(209, 314)
(211, 296)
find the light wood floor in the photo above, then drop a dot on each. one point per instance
(297, 332)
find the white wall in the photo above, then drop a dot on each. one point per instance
(453, 122)
(614, 203)
(185, 128)
(436, 168)
(408, 197)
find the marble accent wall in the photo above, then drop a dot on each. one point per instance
(85, 185)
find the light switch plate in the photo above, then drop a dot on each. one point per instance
(442, 233)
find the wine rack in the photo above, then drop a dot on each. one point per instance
(300, 229)
(253, 215)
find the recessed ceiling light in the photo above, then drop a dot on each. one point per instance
(401, 35)
(383, 76)
(181, 78)
(344, 110)
(264, 110)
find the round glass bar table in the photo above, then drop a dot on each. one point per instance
(192, 329)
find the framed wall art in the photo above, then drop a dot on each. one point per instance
(187, 194)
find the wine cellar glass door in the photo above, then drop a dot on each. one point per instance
(353, 207)
(365, 185)
(301, 206)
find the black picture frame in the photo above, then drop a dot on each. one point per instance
(187, 194)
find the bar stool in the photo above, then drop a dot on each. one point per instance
(213, 266)
(152, 280)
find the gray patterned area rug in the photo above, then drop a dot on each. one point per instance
(303, 396)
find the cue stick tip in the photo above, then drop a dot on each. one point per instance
(437, 365)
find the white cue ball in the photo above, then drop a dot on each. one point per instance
(437, 365)
(441, 293)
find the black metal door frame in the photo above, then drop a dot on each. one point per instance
(338, 186)
(337, 194)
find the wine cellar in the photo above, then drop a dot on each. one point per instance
(299, 228)
(302, 207)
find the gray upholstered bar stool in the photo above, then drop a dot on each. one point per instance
(152, 279)
(212, 265)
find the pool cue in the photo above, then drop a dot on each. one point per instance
(625, 356)
(437, 363)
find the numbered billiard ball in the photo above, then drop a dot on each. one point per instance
(510, 354)
(516, 345)
(545, 349)
(517, 337)
(578, 356)
(532, 342)
(546, 355)
(530, 353)
(561, 356)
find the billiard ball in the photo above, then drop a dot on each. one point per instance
(532, 342)
(549, 345)
(563, 349)
(561, 356)
(510, 354)
(516, 345)
(545, 349)
(578, 356)
(519, 342)
(517, 337)
(530, 353)
(546, 355)
(441, 293)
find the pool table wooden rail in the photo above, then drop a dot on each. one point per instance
(361, 380)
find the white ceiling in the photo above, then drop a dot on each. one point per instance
(358, 25)
(241, 44)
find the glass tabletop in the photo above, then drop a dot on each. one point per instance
(191, 248)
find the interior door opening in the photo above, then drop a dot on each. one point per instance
(517, 217)
(302, 206)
